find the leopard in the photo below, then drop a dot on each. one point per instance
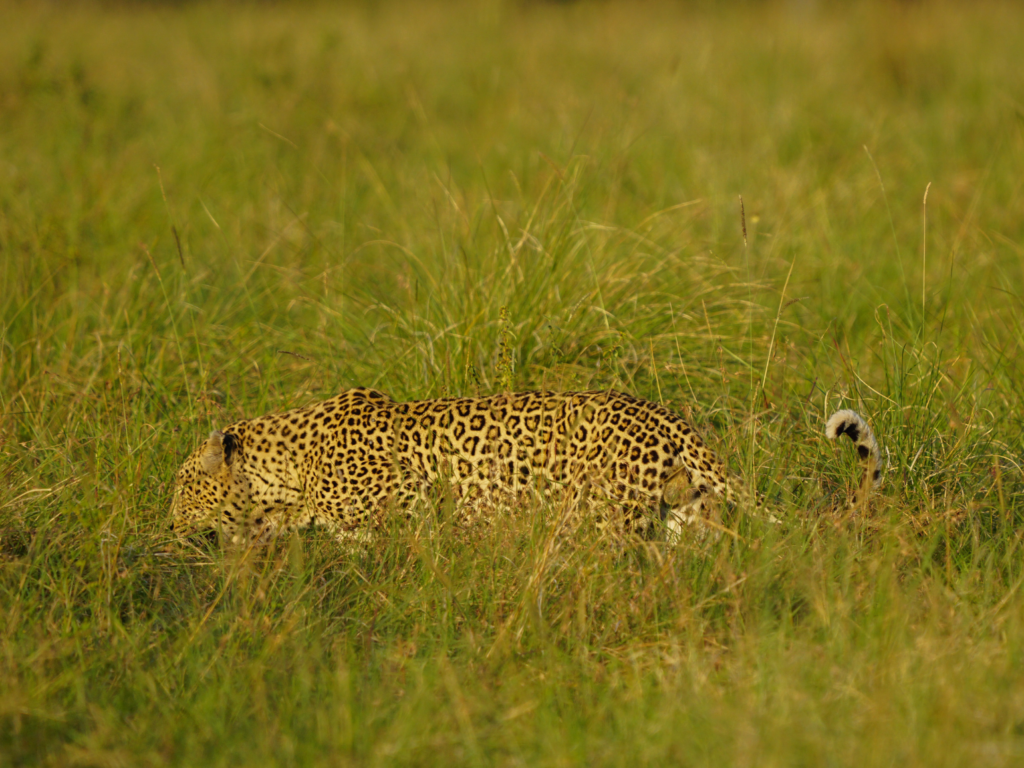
(345, 463)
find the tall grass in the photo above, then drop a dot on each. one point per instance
(210, 212)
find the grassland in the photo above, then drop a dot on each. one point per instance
(208, 212)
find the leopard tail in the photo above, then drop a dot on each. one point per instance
(853, 425)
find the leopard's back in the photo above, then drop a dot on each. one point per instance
(613, 448)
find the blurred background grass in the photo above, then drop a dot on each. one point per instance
(211, 211)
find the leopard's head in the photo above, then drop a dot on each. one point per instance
(210, 490)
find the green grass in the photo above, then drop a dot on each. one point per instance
(211, 212)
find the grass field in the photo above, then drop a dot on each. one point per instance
(211, 212)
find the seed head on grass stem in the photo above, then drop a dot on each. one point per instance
(506, 355)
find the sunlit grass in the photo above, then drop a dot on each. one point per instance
(212, 212)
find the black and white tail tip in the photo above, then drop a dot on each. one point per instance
(851, 424)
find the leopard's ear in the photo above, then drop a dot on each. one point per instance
(212, 454)
(230, 448)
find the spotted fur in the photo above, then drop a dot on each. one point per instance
(345, 462)
(851, 424)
